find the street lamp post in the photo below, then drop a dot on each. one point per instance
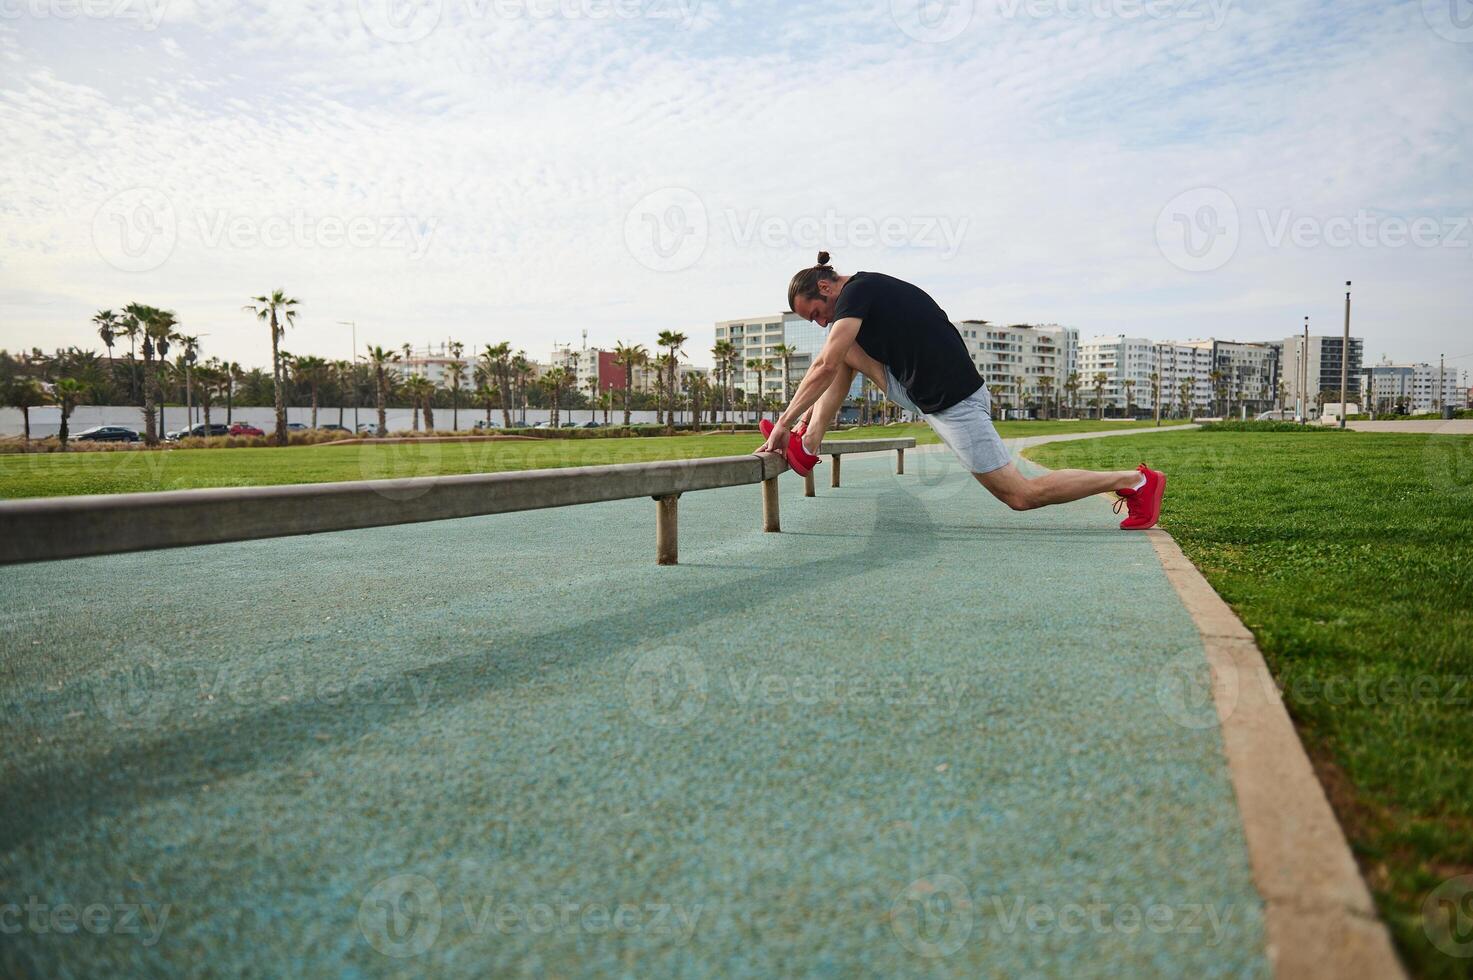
(1345, 357)
(353, 366)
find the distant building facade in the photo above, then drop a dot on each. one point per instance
(1412, 388)
(1319, 361)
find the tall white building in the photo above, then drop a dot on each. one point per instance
(1021, 363)
(1322, 358)
(758, 337)
(1127, 364)
(1412, 388)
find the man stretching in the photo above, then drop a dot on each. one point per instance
(895, 335)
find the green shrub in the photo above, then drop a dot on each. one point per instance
(1267, 425)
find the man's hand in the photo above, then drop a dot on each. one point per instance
(777, 442)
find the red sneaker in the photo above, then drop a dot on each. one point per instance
(1143, 503)
(800, 460)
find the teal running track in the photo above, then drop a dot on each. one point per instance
(914, 734)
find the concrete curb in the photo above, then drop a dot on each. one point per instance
(1319, 916)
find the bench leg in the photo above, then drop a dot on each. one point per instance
(808, 490)
(770, 517)
(667, 530)
(900, 461)
(834, 478)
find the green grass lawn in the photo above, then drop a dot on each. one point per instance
(1350, 556)
(128, 471)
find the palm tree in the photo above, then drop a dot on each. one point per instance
(761, 367)
(1129, 385)
(593, 396)
(419, 390)
(495, 362)
(1100, 380)
(1072, 387)
(556, 381)
(1156, 395)
(108, 326)
(1185, 391)
(381, 359)
(523, 373)
(25, 393)
(486, 398)
(67, 393)
(1216, 377)
(157, 328)
(233, 376)
(187, 360)
(629, 357)
(1046, 382)
(785, 352)
(721, 365)
(280, 311)
(672, 341)
(211, 378)
(456, 371)
(342, 376)
(130, 326)
(314, 372)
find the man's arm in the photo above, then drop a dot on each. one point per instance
(820, 375)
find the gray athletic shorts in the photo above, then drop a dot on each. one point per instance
(965, 427)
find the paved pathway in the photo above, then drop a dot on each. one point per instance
(914, 734)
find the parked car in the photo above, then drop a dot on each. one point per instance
(245, 429)
(107, 433)
(544, 424)
(199, 431)
(297, 426)
(334, 427)
(595, 424)
(483, 424)
(367, 426)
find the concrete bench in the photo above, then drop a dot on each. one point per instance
(50, 528)
(837, 449)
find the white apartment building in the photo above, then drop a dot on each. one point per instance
(1023, 364)
(1322, 358)
(758, 337)
(434, 362)
(1412, 388)
(1128, 363)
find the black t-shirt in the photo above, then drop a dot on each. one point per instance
(904, 329)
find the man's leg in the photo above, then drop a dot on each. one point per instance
(1058, 487)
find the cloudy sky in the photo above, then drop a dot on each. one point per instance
(528, 169)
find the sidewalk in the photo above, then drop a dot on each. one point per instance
(916, 733)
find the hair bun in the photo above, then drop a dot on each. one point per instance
(823, 258)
